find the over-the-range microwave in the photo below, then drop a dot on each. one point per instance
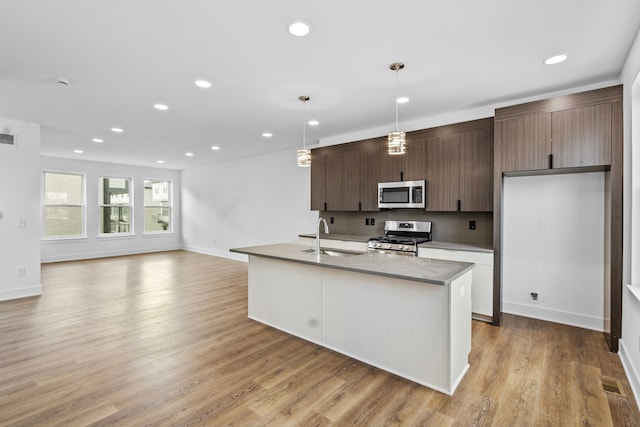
(402, 194)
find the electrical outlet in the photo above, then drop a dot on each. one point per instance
(372, 221)
(472, 225)
(22, 222)
(331, 220)
(545, 227)
(22, 271)
(366, 221)
(533, 296)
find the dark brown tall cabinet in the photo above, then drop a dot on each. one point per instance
(570, 134)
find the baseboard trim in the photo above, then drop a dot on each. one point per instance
(557, 316)
(107, 254)
(10, 294)
(632, 375)
(222, 254)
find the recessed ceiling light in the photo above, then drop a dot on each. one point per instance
(215, 147)
(98, 140)
(313, 123)
(299, 29)
(78, 151)
(555, 59)
(402, 100)
(189, 154)
(117, 130)
(267, 134)
(160, 161)
(161, 107)
(203, 83)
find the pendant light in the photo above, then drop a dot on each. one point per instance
(396, 139)
(304, 155)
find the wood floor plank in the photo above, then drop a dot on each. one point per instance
(163, 339)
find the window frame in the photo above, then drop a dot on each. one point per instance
(169, 229)
(82, 206)
(130, 205)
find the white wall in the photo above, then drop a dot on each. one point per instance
(94, 246)
(553, 240)
(247, 202)
(630, 341)
(19, 199)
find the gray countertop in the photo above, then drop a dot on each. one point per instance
(435, 244)
(425, 270)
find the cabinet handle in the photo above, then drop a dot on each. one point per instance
(401, 176)
(325, 206)
(550, 161)
(459, 205)
(360, 206)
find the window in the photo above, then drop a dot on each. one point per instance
(157, 206)
(114, 196)
(63, 205)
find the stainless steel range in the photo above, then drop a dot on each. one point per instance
(401, 237)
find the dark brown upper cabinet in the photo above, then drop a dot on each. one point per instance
(456, 160)
(573, 131)
(410, 166)
(345, 177)
(460, 169)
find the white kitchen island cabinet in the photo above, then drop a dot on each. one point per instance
(411, 327)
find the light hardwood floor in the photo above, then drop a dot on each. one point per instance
(163, 339)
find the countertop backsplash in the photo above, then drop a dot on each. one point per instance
(447, 226)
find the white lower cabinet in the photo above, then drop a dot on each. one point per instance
(417, 330)
(287, 296)
(482, 277)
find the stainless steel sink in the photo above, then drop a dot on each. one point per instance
(333, 252)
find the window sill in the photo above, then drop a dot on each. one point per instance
(635, 291)
(52, 240)
(115, 236)
(159, 234)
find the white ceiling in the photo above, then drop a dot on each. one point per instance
(123, 56)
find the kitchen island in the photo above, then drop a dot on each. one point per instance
(407, 315)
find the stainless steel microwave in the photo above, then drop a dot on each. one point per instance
(403, 194)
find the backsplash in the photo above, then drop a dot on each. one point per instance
(447, 226)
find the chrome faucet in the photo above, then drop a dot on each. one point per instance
(326, 230)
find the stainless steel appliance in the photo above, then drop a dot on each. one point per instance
(401, 237)
(402, 194)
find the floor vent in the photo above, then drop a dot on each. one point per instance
(7, 138)
(611, 385)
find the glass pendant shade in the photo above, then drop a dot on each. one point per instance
(304, 157)
(396, 143)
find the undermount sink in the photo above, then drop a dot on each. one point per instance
(333, 252)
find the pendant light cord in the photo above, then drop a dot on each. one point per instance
(304, 125)
(395, 101)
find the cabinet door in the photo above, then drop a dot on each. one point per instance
(318, 183)
(415, 160)
(582, 136)
(525, 142)
(390, 167)
(369, 178)
(476, 171)
(343, 178)
(443, 174)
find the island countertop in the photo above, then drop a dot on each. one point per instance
(425, 270)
